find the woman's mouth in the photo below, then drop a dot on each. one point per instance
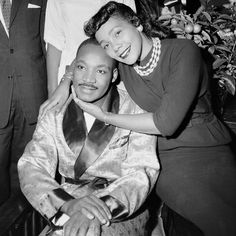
(125, 53)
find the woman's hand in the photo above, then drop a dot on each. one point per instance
(59, 96)
(90, 108)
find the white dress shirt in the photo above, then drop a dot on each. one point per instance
(2, 20)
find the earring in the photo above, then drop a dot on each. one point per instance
(140, 28)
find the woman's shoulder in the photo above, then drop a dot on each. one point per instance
(179, 46)
(179, 43)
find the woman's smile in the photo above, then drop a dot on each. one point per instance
(125, 53)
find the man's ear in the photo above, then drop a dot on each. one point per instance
(115, 75)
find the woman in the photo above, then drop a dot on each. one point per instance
(169, 80)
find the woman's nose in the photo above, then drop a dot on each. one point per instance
(116, 46)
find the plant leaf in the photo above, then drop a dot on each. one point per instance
(229, 83)
(211, 49)
(206, 35)
(225, 16)
(207, 15)
(165, 17)
(224, 48)
(177, 26)
(218, 62)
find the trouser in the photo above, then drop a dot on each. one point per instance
(13, 139)
(200, 185)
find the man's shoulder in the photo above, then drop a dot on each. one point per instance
(127, 105)
(50, 120)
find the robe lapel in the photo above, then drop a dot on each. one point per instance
(14, 9)
(74, 127)
(3, 35)
(97, 139)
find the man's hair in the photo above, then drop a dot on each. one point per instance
(93, 41)
(151, 27)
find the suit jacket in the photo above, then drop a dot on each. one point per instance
(22, 59)
(122, 172)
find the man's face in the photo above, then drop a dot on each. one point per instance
(93, 74)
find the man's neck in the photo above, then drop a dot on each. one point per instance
(104, 102)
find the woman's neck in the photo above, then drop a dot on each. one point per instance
(146, 46)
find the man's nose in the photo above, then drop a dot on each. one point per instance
(89, 77)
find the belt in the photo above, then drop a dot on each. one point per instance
(96, 183)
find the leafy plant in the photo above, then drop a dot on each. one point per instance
(214, 29)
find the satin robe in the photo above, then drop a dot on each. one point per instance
(128, 162)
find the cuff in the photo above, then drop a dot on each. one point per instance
(117, 209)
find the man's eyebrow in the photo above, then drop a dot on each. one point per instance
(104, 65)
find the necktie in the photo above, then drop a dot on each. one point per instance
(6, 11)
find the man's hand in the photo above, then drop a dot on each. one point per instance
(90, 206)
(80, 225)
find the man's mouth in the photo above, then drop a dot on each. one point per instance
(87, 86)
(125, 53)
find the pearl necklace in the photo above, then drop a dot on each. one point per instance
(152, 63)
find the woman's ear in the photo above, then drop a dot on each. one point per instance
(140, 28)
(115, 75)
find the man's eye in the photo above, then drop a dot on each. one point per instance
(80, 67)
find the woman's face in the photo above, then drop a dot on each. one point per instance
(121, 40)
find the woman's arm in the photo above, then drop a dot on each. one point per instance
(142, 123)
(59, 96)
(53, 62)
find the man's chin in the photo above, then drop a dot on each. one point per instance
(87, 99)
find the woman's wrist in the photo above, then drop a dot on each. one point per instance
(106, 118)
(66, 79)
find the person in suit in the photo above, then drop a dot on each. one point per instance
(23, 82)
(108, 172)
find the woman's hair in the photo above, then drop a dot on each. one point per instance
(115, 9)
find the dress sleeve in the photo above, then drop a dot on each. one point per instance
(139, 172)
(37, 168)
(181, 89)
(53, 31)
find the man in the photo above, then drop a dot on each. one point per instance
(108, 172)
(23, 81)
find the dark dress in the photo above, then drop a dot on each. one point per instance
(198, 173)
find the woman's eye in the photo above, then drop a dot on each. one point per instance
(101, 71)
(117, 33)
